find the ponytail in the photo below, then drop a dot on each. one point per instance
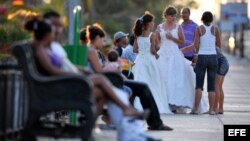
(92, 31)
(83, 36)
(137, 29)
(38, 27)
(142, 22)
(31, 25)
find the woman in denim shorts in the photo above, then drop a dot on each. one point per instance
(207, 37)
(223, 67)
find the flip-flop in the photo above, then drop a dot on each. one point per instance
(221, 113)
(194, 112)
(212, 113)
(207, 112)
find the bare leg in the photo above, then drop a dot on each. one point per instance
(221, 100)
(107, 88)
(211, 98)
(217, 93)
(99, 100)
(198, 94)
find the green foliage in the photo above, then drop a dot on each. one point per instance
(56, 5)
(117, 15)
(12, 32)
(4, 56)
(3, 19)
(3, 36)
(3, 1)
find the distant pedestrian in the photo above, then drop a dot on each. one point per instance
(120, 41)
(189, 28)
(129, 57)
(128, 51)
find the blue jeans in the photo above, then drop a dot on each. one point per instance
(206, 63)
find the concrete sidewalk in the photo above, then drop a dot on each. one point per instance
(206, 127)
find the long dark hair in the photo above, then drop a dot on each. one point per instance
(38, 27)
(141, 23)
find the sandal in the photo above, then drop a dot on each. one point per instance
(221, 113)
(194, 112)
(212, 113)
(207, 112)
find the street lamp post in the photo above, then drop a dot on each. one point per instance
(72, 4)
(77, 24)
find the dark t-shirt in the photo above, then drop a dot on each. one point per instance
(119, 50)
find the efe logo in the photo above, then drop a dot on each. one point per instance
(236, 132)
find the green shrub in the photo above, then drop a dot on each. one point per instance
(11, 32)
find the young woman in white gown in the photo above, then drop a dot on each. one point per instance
(176, 72)
(145, 68)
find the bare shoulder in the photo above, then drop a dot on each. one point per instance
(158, 27)
(40, 52)
(179, 27)
(201, 29)
(91, 50)
(216, 28)
(153, 36)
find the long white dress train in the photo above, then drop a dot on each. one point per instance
(176, 72)
(146, 70)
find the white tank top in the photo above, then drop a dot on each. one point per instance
(207, 42)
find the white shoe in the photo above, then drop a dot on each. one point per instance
(132, 130)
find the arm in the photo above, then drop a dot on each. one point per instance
(196, 46)
(135, 48)
(158, 37)
(218, 38)
(187, 48)
(180, 40)
(197, 40)
(84, 70)
(46, 64)
(94, 60)
(153, 46)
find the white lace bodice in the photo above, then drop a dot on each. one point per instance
(144, 45)
(166, 44)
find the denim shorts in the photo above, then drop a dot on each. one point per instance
(206, 63)
(223, 66)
